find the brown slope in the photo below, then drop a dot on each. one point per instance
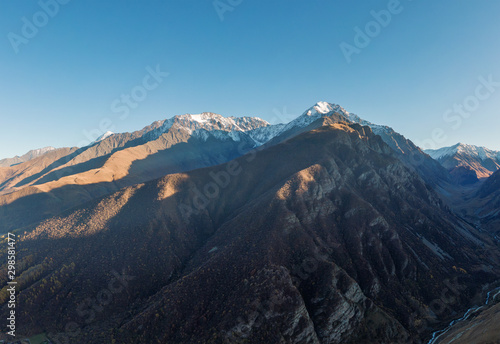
(73, 183)
(467, 170)
(65, 162)
(482, 168)
(96, 155)
(61, 162)
(108, 155)
(73, 161)
(467, 164)
(12, 177)
(324, 238)
(117, 161)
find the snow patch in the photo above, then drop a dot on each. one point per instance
(103, 136)
(260, 131)
(198, 118)
(323, 107)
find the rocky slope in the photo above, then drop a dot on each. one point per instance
(324, 238)
(467, 163)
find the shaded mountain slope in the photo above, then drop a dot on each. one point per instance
(411, 155)
(120, 160)
(479, 203)
(124, 168)
(324, 238)
(14, 177)
(489, 201)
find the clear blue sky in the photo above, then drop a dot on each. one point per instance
(264, 56)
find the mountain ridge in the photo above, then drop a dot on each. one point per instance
(336, 196)
(178, 144)
(7, 162)
(467, 163)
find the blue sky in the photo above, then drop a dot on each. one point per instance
(263, 58)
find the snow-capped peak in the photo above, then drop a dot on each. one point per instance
(323, 107)
(209, 124)
(213, 121)
(103, 136)
(198, 118)
(482, 153)
(6, 162)
(40, 151)
(319, 110)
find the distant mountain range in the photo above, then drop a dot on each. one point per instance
(326, 229)
(26, 157)
(467, 163)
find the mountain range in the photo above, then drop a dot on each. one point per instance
(467, 163)
(211, 229)
(66, 177)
